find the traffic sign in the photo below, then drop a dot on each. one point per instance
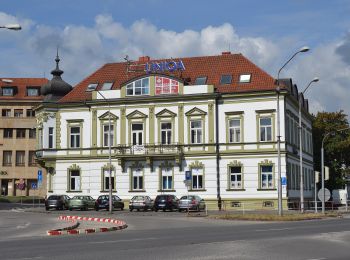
(188, 183)
(327, 195)
(40, 177)
(188, 175)
(284, 181)
(34, 186)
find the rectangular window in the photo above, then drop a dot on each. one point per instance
(200, 81)
(244, 78)
(266, 177)
(165, 133)
(226, 79)
(165, 85)
(7, 158)
(91, 87)
(106, 133)
(236, 177)
(18, 113)
(74, 180)
(32, 133)
(107, 86)
(138, 87)
(197, 178)
(30, 113)
(7, 91)
(20, 133)
(6, 112)
(106, 180)
(196, 132)
(51, 137)
(136, 133)
(20, 158)
(33, 92)
(235, 130)
(8, 132)
(31, 158)
(137, 179)
(75, 137)
(265, 129)
(167, 179)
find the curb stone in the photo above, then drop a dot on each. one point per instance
(71, 230)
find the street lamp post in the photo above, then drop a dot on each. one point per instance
(322, 163)
(280, 209)
(14, 27)
(301, 148)
(109, 152)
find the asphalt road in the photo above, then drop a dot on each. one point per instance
(174, 236)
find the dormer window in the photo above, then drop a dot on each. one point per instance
(107, 86)
(244, 78)
(226, 79)
(201, 81)
(138, 87)
(32, 91)
(91, 87)
(7, 91)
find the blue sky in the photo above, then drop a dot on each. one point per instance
(90, 33)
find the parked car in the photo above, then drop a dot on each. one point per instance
(103, 202)
(141, 202)
(81, 202)
(166, 201)
(57, 202)
(192, 202)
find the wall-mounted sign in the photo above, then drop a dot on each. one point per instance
(3, 172)
(164, 66)
(166, 86)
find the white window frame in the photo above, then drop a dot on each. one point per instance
(106, 179)
(268, 183)
(197, 178)
(236, 184)
(74, 138)
(137, 134)
(196, 133)
(77, 180)
(133, 90)
(51, 139)
(266, 128)
(167, 133)
(234, 131)
(105, 128)
(167, 174)
(137, 180)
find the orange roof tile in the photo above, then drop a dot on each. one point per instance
(21, 85)
(211, 66)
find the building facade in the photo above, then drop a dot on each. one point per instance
(19, 171)
(212, 116)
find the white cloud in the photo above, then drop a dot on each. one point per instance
(83, 49)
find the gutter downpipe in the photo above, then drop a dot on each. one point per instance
(217, 147)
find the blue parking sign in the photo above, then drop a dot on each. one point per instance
(188, 175)
(34, 186)
(40, 177)
(284, 181)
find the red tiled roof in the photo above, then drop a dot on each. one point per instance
(21, 85)
(211, 66)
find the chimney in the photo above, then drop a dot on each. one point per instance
(226, 53)
(144, 59)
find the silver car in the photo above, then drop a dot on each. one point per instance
(192, 202)
(141, 202)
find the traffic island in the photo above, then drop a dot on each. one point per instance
(72, 230)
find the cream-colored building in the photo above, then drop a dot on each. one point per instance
(214, 116)
(19, 171)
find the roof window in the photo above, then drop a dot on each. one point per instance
(32, 91)
(200, 81)
(226, 79)
(107, 86)
(7, 91)
(244, 78)
(91, 87)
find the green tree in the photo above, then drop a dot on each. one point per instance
(336, 146)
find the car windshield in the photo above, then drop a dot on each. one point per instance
(78, 197)
(138, 198)
(54, 197)
(189, 197)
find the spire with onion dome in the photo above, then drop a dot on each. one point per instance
(56, 88)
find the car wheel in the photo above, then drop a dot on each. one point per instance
(171, 208)
(197, 208)
(164, 209)
(138, 209)
(122, 208)
(131, 209)
(180, 210)
(58, 208)
(47, 208)
(96, 208)
(155, 209)
(70, 209)
(145, 209)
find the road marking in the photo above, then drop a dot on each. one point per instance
(317, 258)
(272, 229)
(23, 226)
(123, 240)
